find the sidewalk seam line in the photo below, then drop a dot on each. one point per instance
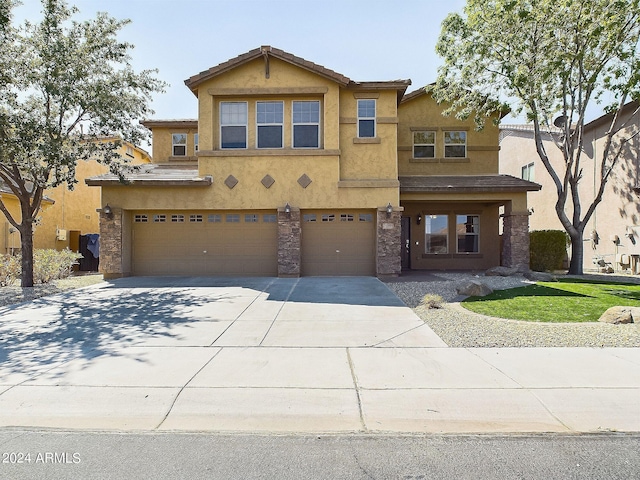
(185, 386)
(279, 310)
(241, 313)
(529, 390)
(357, 389)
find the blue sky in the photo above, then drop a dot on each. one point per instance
(365, 40)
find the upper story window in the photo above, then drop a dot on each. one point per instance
(528, 172)
(424, 144)
(179, 144)
(306, 124)
(196, 139)
(366, 118)
(269, 120)
(129, 151)
(455, 144)
(233, 125)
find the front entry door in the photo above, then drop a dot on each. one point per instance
(405, 239)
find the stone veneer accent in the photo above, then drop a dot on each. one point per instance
(515, 240)
(289, 243)
(388, 246)
(111, 244)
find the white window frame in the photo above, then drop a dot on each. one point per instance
(269, 124)
(434, 133)
(302, 124)
(196, 140)
(245, 125)
(528, 172)
(368, 118)
(174, 144)
(449, 144)
(475, 233)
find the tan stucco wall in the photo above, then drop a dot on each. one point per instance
(422, 112)
(163, 144)
(75, 209)
(620, 206)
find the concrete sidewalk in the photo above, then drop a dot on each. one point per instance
(287, 355)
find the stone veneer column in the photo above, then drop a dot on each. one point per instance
(388, 246)
(289, 243)
(515, 240)
(111, 244)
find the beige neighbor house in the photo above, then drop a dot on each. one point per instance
(612, 236)
(293, 169)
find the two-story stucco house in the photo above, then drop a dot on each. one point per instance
(612, 235)
(293, 169)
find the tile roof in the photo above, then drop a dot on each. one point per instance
(155, 175)
(266, 50)
(466, 184)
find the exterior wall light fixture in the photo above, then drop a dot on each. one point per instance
(107, 211)
(389, 209)
(419, 219)
(287, 209)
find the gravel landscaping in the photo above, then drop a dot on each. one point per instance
(459, 327)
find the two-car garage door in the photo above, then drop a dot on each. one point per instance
(205, 243)
(246, 243)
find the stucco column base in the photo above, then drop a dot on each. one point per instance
(111, 243)
(289, 243)
(515, 240)
(388, 245)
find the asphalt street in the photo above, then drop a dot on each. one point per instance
(99, 455)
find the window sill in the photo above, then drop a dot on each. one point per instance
(372, 140)
(440, 160)
(182, 158)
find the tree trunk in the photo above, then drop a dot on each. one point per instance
(26, 242)
(577, 254)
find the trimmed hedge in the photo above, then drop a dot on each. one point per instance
(547, 249)
(48, 265)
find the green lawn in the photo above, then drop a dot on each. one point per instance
(568, 300)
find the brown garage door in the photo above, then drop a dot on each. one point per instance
(204, 243)
(338, 243)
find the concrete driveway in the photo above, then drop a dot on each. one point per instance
(287, 355)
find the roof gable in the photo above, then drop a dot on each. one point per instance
(265, 52)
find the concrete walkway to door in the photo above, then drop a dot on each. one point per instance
(286, 355)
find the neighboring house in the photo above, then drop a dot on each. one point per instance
(66, 214)
(293, 169)
(9, 235)
(613, 233)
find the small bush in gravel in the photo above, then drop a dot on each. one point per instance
(431, 300)
(48, 265)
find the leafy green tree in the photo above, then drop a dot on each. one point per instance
(65, 87)
(551, 59)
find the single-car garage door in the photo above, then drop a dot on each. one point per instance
(338, 243)
(204, 243)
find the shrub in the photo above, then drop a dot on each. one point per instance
(431, 300)
(48, 265)
(9, 269)
(548, 248)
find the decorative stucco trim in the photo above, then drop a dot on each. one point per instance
(455, 160)
(366, 140)
(348, 120)
(388, 120)
(424, 160)
(370, 183)
(243, 92)
(365, 95)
